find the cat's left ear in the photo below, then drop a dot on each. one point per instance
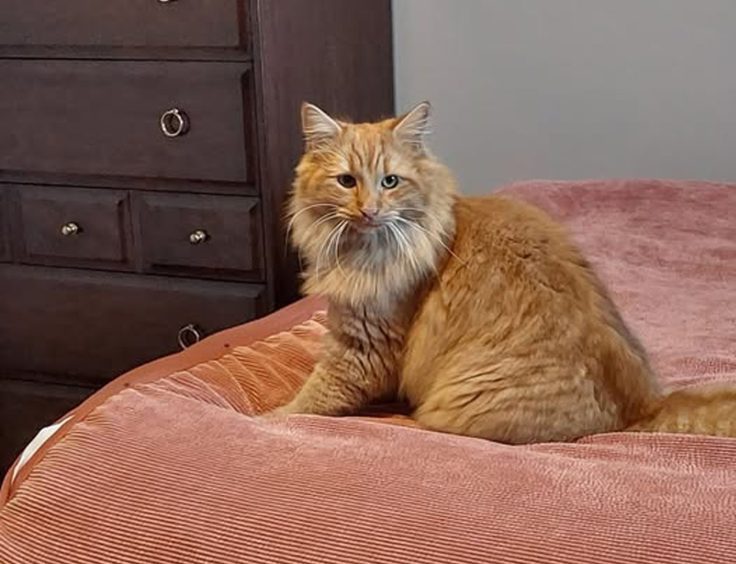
(414, 126)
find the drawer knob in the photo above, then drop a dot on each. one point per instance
(70, 228)
(174, 122)
(198, 236)
(189, 335)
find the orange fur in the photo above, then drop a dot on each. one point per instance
(479, 312)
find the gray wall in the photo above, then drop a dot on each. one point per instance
(573, 88)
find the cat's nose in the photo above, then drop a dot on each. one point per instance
(369, 213)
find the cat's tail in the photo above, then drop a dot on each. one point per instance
(701, 410)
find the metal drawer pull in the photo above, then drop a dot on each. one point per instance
(70, 228)
(164, 1)
(174, 122)
(198, 236)
(188, 336)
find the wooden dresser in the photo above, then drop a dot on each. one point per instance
(146, 148)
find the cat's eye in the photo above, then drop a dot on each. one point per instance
(346, 181)
(390, 181)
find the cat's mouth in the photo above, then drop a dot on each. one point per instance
(366, 224)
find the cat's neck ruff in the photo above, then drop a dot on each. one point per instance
(378, 273)
(379, 290)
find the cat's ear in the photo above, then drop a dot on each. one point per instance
(414, 126)
(318, 128)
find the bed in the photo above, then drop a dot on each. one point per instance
(167, 465)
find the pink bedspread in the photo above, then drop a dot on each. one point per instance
(167, 466)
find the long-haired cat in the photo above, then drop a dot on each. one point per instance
(479, 312)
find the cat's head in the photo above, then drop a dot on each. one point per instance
(371, 210)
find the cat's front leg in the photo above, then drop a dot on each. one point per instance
(340, 386)
(326, 392)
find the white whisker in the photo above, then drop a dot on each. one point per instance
(290, 225)
(326, 247)
(426, 213)
(343, 226)
(404, 245)
(320, 221)
(436, 237)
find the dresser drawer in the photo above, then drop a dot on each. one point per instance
(197, 233)
(76, 224)
(118, 23)
(105, 118)
(4, 224)
(94, 326)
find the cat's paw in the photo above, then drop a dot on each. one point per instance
(277, 414)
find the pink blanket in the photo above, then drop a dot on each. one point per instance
(167, 466)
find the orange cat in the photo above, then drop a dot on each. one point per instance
(479, 312)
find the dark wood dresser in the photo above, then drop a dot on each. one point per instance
(146, 148)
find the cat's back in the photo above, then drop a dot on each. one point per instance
(512, 273)
(507, 225)
(507, 242)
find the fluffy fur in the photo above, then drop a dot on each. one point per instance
(479, 312)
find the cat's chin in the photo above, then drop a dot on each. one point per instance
(368, 228)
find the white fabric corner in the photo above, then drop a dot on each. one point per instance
(38, 441)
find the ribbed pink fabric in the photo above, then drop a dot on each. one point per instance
(175, 470)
